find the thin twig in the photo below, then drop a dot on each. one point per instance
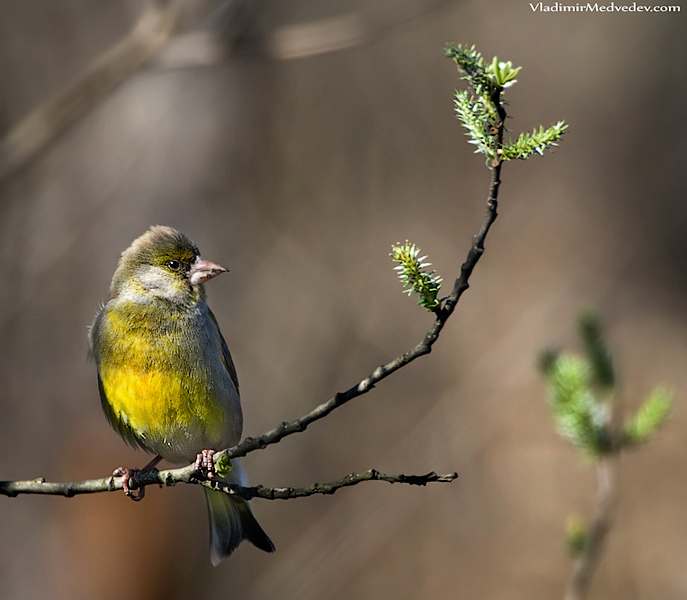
(331, 487)
(191, 476)
(188, 474)
(442, 314)
(604, 513)
(250, 444)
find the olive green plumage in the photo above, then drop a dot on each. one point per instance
(166, 378)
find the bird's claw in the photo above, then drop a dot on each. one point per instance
(134, 476)
(205, 463)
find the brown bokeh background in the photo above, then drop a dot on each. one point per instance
(299, 175)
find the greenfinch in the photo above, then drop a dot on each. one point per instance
(167, 381)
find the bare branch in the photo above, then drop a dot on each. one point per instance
(51, 118)
(442, 314)
(331, 487)
(604, 513)
(189, 473)
(186, 474)
(191, 476)
(155, 28)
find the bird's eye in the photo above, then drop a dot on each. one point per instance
(175, 265)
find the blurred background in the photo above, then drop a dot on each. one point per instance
(294, 143)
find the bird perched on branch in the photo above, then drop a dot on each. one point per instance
(166, 378)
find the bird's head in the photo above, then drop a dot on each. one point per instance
(163, 263)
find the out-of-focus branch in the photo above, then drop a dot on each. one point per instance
(604, 513)
(156, 27)
(207, 48)
(51, 118)
(190, 475)
(359, 28)
(587, 410)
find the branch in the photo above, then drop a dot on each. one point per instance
(442, 314)
(328, 488)
(191, 476)
(353, 30)
(604, 512)
(250, 444)
(155, 28)
(44, 124)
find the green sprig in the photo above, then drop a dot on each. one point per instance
(581, 396)
(600, 359)
(651, 415)
(474, 116)
(579, 416)
(474, 68)
(502, 73)
(412, 273)
(528, 144)
(481, 112)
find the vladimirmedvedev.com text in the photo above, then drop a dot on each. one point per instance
(596, 7)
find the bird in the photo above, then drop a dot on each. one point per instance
(166, 378)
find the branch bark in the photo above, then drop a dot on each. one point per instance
(191, 476)
(604, 513)
(423, 347)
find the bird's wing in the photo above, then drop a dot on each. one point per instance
(226, 355)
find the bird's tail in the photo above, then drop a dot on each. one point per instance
(232, 520)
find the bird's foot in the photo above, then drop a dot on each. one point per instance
(205, 464)
(132, 475)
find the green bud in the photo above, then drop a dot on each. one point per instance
(576, 535)
(223, 466)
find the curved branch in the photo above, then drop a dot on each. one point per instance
(189, 473)
(250, 444)
(191, 476)
(442, 314)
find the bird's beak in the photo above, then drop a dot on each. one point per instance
(203, 270)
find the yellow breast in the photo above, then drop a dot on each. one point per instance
(158, 403)
(165, 388)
